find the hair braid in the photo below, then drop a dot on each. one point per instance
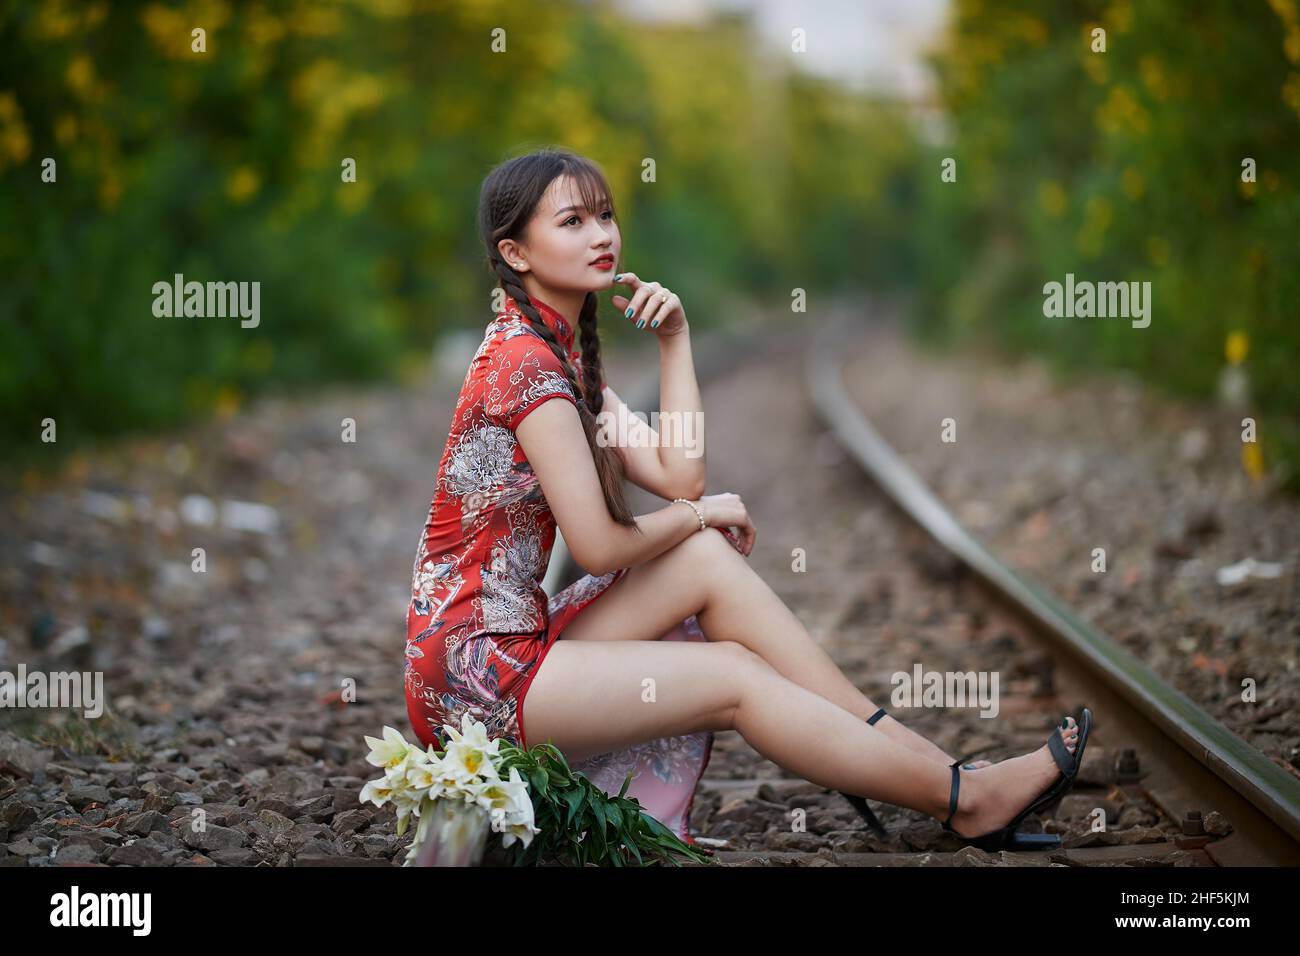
(591, 365)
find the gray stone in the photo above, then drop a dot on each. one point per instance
(211, 837)
(77, 853)
(135, 855)
(81, 797)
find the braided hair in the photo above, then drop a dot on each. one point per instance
(509, 197)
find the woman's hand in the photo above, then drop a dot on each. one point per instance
(728, 511)
(651, 306)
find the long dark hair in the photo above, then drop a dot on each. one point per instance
(509, 197)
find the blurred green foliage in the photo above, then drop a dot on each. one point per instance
(1124, 165)
(226, 166)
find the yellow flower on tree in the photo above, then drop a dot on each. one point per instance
(1252, 459)
(242, 184)
(1052, 197)
(1236, 347)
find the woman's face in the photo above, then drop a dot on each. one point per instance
(562, 244)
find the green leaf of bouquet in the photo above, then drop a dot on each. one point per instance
(573, 800)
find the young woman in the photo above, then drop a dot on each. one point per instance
(685, 638)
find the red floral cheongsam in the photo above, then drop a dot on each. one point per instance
(479, 623)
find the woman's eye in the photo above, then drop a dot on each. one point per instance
(608, 213)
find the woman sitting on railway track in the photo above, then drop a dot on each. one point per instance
(516, 463)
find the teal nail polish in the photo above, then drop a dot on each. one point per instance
(654, 324)
(628, 313)
(618, 277)
(640, 323)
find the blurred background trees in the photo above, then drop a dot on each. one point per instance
(1124, 165)
(225, 165)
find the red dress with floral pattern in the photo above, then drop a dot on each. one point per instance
(479, 624)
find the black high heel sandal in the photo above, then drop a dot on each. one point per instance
(860, 803)
(1007, 837)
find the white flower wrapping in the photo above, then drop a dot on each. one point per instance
(415, 780)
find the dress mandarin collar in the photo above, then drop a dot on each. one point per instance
(553, 320)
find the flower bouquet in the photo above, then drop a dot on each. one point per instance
(482, 791)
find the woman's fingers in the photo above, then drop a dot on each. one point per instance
(671, 304)
(636, 310)
(651, 305)
(621, 301)
(645, 303)
(652, 312)
(628, 308)
(744, 541)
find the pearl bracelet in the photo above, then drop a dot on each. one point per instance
(693, 508)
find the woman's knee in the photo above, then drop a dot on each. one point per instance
(710, 544)
(706, 554)
(746, 674)
(743, 660)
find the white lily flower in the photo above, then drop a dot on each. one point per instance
(424, 777)
(378, 791)
(472, 733)
(510, 808)
(406, 805)
(471, 749)
(390, 751)
(507, 795)
(469, 766)
(515, 828)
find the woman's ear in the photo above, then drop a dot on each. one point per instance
(509, 249)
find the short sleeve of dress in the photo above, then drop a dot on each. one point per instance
(523, 373)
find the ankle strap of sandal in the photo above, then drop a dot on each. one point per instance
(952, 800)
(876, 716)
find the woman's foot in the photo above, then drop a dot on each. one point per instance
(992, 799)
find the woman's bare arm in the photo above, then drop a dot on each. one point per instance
(640, 445)
(555, 445)
(682, 459)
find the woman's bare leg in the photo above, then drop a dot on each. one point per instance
(705, 576)
(590, 697)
